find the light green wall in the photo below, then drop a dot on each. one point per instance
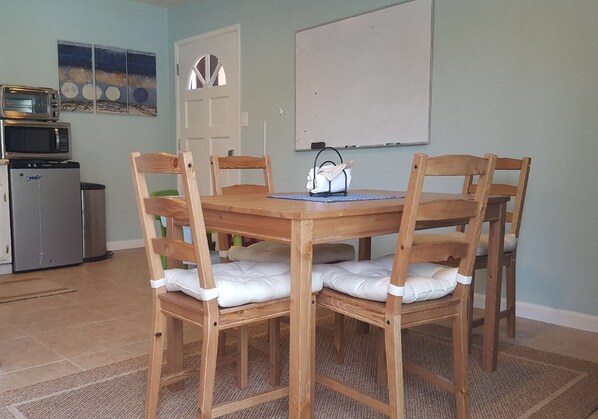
(29, 30)
(512, 77)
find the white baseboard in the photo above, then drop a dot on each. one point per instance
(545, 314)
(124, 244)
(6, 268)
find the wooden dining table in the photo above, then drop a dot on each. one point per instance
(301, 224)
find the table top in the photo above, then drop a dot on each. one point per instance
(303, 210)
(256, 215)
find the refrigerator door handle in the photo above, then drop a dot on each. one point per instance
(57, 137)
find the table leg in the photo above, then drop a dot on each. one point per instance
(302, 339)
(496, 236)
(364, 253)
(365, 248)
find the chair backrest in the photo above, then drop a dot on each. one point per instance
(516, 192)
(185, 209)
(421, 211)
(219, 163)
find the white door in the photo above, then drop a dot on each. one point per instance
(207, 89)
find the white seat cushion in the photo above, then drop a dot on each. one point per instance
(267, 251)
(510, 242)
(369, 279)
(240, 283)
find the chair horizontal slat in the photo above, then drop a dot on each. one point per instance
(447, 210)
(503, 189)
(455, 165)
(506, 163)
(158, 163)
(372, 312)
(498, 189)
(247, 402)
(438, 252)
(242, 162)
(422, 312)
(170, 207)
(436, 379)
(353, 393)
(250, 313)
(179, 376)
(175, 249)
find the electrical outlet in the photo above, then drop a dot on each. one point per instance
(244, 119)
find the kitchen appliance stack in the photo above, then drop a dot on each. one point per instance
(45, 198)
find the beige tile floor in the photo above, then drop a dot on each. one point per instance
(108, 320)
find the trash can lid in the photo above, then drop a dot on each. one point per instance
(88, 186)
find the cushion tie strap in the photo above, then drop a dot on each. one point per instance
(157, 283)
(462, 279)
(396, 291)
(207, 295)
(204, 294)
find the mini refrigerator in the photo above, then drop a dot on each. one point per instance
(45, 214)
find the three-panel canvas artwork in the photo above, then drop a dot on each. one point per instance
(106, 79)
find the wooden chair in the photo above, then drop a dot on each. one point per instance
(410, 288)
(267, 251)
(513, 217)
(213, 297)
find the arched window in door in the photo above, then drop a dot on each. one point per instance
(207, 72)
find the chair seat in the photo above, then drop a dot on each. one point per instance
(240, 283)
(369, 279)
(267, 251)
(510, 241)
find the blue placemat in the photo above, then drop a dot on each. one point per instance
(335, 198)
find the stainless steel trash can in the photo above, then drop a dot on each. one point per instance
(93, 211)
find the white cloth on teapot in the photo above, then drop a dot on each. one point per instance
(329, 178)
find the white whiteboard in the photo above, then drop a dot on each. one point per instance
(365, 81)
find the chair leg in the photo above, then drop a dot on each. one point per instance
(222, 344)
(242, 363)
(460, 358)
(207, 370)
(274, 350)
(174, 350)
(470, 312)
(339, 338)
(312, 350)
(155, 365)
(381, 377)
(394, 367)
(511, 283)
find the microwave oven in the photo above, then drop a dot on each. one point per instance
(35, 140)
(33, 103)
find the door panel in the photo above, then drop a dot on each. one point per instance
(208, 98)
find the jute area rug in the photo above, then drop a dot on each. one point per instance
(527, 384)
(22, 289)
